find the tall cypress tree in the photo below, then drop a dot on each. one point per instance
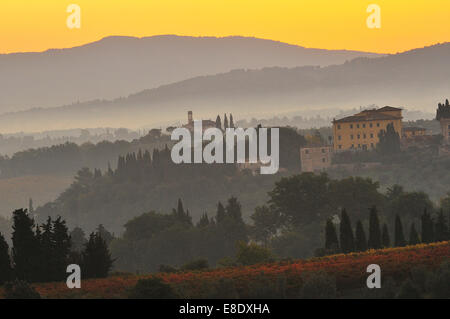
(231, 121)
(441, 228)
(361, 240)
(427, 228)
(26, 247)
(374, 241)
(62, 246)
(331, 239)
(225, 122)
(220, 216)
(218, 122)
(413, 235)
(47, 251)
(399, 240)
(385, 238)
(6, 272)
(346, 234)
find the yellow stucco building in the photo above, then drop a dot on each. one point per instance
(360, 131)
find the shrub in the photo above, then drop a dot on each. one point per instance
(19, 289)
(167, 269)
(252, 254)
(318, 285)
(198, 264)
(152, 288)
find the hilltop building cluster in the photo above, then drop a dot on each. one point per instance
(362, 131)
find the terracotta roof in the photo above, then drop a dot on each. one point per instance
(367, 116)
(389, 108)
(371, 115)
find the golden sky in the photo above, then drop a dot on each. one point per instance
(37, 25)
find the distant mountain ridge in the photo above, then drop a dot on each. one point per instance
(116, 66)
(416, 79)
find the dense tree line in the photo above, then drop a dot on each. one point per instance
(69, 157)
(41, 253)
(432, 230)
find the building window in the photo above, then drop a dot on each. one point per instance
(364, 125)
(357, 125)
(323, 160)
(351, 136)
(359, 136)
(371, 145)
(323, 150)
(449, 127)
(339, 126)
(371, 135)
(364, 136)
(353, 145)
(306, 151)
(370, 124)
(351, 125)
(378, 124)
(339, 137)
(340, 146)
(359, 145)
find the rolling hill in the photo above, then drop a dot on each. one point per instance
(116, 66)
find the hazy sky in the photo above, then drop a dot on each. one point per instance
(38, 25)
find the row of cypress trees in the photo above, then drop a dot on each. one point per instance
(41, 253)
(431, 231)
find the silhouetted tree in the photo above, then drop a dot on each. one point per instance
(346, 234)
(231, 121)
(374, 241)
(225, 122)
(413, 235)
(331, 239)
(218, 122)
(26, 247)
(105, 234)
(385, 238)
(427, 228)
(399, 240)
(441, 227)
(6, 272)
(97, 260)
(62, 246)
(389, 140)
(361, 240)
(78, 239)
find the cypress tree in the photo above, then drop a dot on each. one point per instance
(331, 239)
(218, 122)
(346, 234)
(225, 122)
(399, 240)
(413, 235)
(441, 228)
(427, 228)
(231, 121)
(386, 240)
(6, 272)
(26, 247)
(220, 216)
(47, 252)
(62, 246)
(361, 240)
(374, 241)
